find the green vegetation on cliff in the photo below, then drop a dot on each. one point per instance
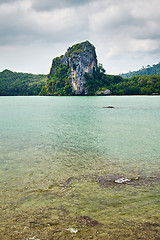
(79, 47)
(15, 84)
(58, 80)
(66, 75)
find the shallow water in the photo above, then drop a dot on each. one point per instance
(62, 161)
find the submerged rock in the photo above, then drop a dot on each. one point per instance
(109, 107)
(72, 230)
(122, 180)
(116, 179)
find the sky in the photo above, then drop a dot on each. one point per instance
(126, 33)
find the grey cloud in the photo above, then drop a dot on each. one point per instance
(125, 18)
(47, 5)
(8, 1)
(15, 28)
(21, 27)
(123, 31)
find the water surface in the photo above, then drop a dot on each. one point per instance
(61, 157)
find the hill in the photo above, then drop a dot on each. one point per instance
(137, 85)
(149, 70)
(15, 84)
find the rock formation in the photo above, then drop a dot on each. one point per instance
(81, 59)
(70, 68)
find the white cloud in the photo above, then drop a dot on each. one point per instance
(22, 25)
(124, 32)
(144, 45)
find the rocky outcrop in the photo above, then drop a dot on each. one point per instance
(105, 92)
(79, 59)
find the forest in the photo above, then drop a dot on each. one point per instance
(148, 70)
(137, 85)
(16, 84)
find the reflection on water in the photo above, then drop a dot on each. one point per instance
(70, 168)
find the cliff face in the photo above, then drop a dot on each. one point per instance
(67, 72)
(81, 58)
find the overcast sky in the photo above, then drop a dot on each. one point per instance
(126, 33)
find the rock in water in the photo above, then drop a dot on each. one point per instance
(66, 76)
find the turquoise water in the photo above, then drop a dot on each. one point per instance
(65, 152)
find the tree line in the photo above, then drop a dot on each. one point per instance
(58, 83)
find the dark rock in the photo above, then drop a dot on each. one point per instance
(109, 107)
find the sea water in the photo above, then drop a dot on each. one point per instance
(73, 163)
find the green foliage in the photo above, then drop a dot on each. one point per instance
(75, 48)
(80, 47)
(100, 80)
(13, 83)
(154, 70)
(58, 82)
(137, 85)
